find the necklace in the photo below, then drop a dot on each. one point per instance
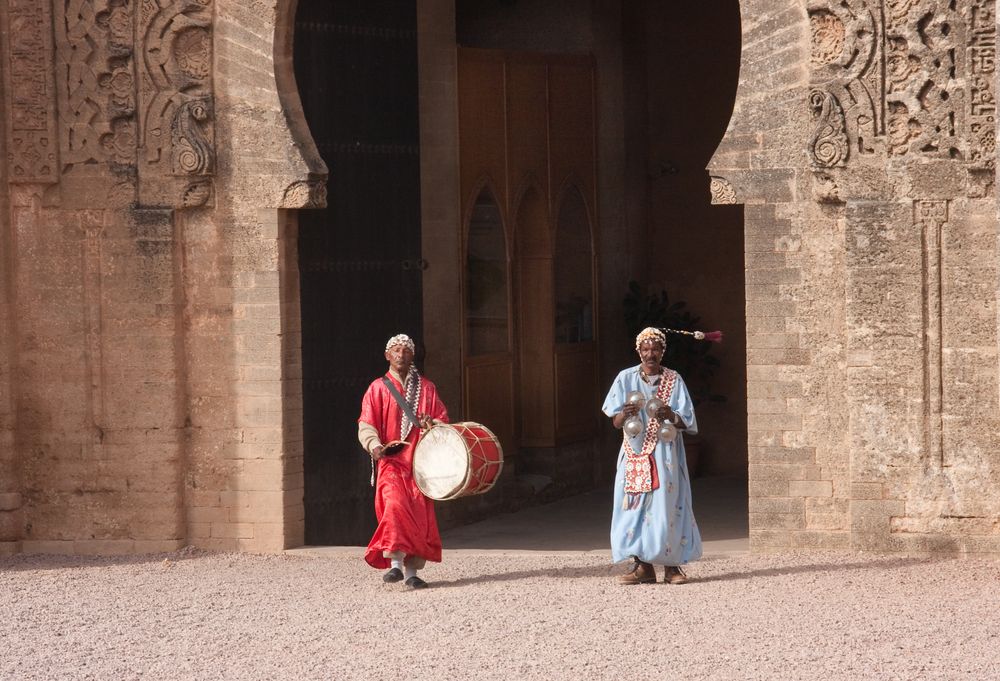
(651, 380)
(653, 427)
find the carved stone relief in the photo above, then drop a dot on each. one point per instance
(310, 194)
(177, 111)
(847, 49)
(829, 147)
(32, 144)
(95, 82)
(980, 120)
(722, 191)
(911, 77)
(135, 99)
(931, 217)
(92, 223)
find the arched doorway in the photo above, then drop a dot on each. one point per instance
(358, 78)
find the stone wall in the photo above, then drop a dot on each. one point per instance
(10, 487)
(153, 280)
(862, 146)
(150, 375)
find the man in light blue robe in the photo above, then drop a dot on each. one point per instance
(654, 527)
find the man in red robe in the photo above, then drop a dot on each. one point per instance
(407, 533)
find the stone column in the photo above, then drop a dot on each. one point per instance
(440, 203)
(11, 517)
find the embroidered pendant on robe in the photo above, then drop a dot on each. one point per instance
(640, 467)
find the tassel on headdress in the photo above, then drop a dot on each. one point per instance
(711, 336)
(652, 333)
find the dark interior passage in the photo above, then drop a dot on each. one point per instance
(360, 259)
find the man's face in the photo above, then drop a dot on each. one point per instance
(650, 354)
(400, 358)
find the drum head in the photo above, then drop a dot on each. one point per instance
(441, 463)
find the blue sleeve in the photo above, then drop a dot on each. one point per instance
(680, 402)
(615, 400)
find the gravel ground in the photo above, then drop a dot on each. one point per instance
(194, 615)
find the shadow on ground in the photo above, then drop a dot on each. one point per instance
(583, 522)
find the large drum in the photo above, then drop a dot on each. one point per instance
(455, 460)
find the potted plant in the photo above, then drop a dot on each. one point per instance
(691, 358)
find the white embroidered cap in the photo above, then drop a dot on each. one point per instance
(400, 339)
(651, 333)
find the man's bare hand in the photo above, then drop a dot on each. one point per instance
(425, 421)
(377, 453)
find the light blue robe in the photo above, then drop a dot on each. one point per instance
(662, 530)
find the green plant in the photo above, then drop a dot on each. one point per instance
(692, 359)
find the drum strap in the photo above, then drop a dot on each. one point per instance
(400, 401)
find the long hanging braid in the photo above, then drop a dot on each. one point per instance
(411, 392)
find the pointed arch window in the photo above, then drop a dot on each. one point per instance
(487, 310)
(574, 271)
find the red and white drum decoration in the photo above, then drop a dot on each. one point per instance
(455, 460)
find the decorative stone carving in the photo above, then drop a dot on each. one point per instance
(305, 194)
(912, 77)
(32, 144)
(921, 94)
(827, 37)
(847, 51)
(981, 74)
(825, 189)
(192, 153)
(135, 97)
(829, 147)
(92, 224)
(197, 194)
(176, 101)
(722, 191)
(94, 66)
(931, 218)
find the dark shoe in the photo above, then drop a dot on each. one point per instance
(639, 573)
(674, 575)
(415, 582)
(392, 576)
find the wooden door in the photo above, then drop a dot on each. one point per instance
(360, 260)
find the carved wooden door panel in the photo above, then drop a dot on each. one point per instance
(360, 261)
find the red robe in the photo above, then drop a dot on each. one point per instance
(406, 520)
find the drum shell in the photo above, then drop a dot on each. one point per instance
(483, 460)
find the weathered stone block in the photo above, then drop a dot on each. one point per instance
(772, 340)
(777, 521)
(774, 422)
(767, 488)
(763, 505)
(224, 544)
(866, 490)
(810, 488)
(827, 521)
(820, 540)
(104, 547)
(159, 546)
(62, 547)
(782, 455)
(10, 501)
(233, 530)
